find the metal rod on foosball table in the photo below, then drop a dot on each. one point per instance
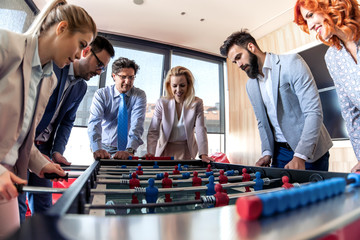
(149, 163)
(150, 158)
(202, 200)
(30, 189)
(147, 171)
(143, 177)
(151, 168)
(144, 182)
(142, 190)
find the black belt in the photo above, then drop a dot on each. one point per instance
(284, 145)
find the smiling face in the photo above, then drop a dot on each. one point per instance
(69, 45)
(315, 22)
(179, 86)
(244, 59)
(124, 80)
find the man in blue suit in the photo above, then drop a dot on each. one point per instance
(286, 103)
(54, 129)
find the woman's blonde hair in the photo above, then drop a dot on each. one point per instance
(180, 71)
(343, 14)
(59, 10)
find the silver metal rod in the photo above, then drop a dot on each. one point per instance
(126, 176)
(145, 182)
(31, 189)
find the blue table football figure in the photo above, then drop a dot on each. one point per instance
(151, 194)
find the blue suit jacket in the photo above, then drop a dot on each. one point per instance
(67, 113)
(298, 108)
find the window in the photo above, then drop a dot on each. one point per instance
(208, 88)
(82, 114)
(16, 15)
(154, 60)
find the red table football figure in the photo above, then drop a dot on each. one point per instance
(176, 171)
(196, 181)
(209, 168)
(222, 198)
(222, 178)
(246, 177)
(139, 171)
(167, 183)
(286, 184)
(133, 183)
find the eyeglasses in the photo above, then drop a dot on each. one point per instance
(100, 64)
(123, 77)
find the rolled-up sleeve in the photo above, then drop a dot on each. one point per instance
(138, 111)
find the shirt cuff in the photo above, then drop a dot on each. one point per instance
(266, 152)
(95, 146)
(303, 157)
(2, 169)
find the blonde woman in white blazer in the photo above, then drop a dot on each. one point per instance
(177, 118)
(26, 83)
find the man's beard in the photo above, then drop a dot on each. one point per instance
(253, 70)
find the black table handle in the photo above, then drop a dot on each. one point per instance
(54, 175)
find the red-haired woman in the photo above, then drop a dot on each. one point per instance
(337, 24)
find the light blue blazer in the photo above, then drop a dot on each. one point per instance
(298, 107)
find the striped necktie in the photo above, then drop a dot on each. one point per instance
(122, 129)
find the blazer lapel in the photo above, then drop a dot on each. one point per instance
(254, 89)
(27, 66)
(186, 120)
(171, 108)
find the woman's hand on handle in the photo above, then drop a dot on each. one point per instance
(7, 187)
(206, 158)
(53, 168)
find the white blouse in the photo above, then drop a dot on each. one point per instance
(178, 133)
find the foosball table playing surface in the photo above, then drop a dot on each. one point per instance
(169, 199)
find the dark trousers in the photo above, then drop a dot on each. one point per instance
(283, 156)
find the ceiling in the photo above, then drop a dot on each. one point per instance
(162, 20)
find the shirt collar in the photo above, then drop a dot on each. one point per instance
(267, 62)
(36, 58)
(71, 73)
(48, 67)
(117, 93)
(266, 67)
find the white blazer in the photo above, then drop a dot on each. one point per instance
(162, 123)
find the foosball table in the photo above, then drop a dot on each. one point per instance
(169, 199)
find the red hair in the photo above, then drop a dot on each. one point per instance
(343, 14)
